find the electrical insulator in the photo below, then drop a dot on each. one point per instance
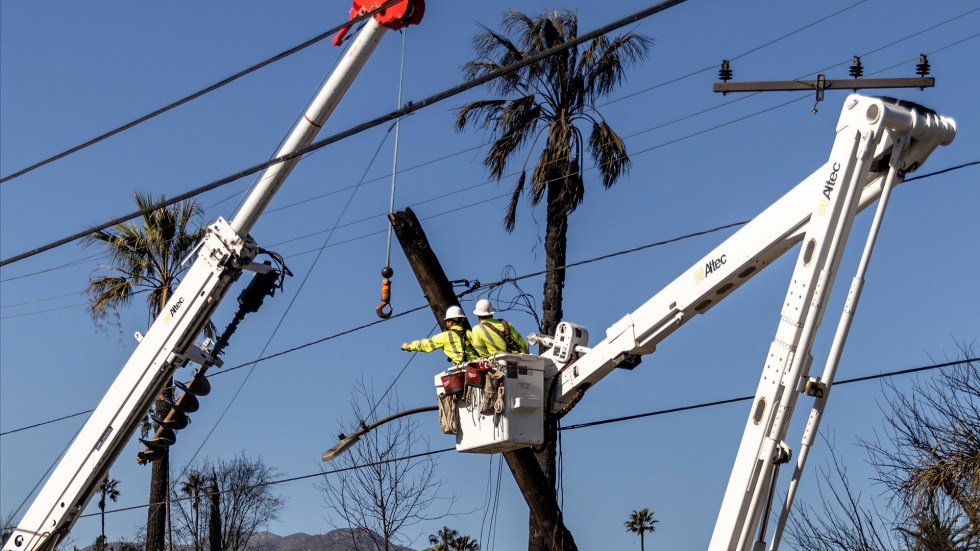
(922, 67)
(725, 73)
(857, 71)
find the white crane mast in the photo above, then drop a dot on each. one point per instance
(169, 344)
(878, 141)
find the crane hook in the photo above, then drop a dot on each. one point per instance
(384, 309)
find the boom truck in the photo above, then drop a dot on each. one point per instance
(224, 254)
(878, 141)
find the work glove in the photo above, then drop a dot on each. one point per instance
(405, 346)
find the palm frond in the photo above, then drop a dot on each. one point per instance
(480, 113)
(510, 219)
(609, 151)
(605, 62)
(549, 98)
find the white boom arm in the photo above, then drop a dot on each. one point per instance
(168, 345)
(878, 142)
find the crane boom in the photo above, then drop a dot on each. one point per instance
(169, 344)
(878, 141)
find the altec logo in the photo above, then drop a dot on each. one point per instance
(713, 265)
(176, 307)
(710, 267)
(831, 183)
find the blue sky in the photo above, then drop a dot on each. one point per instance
(70, 71)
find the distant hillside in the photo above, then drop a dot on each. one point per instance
(336, 540)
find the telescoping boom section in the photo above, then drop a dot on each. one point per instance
(878, 142)
(169, 344)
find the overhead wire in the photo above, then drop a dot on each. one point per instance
(226, 370)
(613, 254)
(484, 201)
(567, 428)
(491, 286)
(221, 83)
(408, 108)
(737, 56)
(967, 164)
(455, 209)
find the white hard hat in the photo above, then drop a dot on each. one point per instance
(483, 308)
(454, 312)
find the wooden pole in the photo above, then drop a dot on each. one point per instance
(524, 466)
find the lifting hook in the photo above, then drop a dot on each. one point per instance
(384, 309)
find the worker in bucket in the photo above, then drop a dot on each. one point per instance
(455, 341)
(493, 335)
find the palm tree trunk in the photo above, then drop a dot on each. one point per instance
(555, 245)
(156, 521)
(555, 248)
(642, 548)
(101, 545)
(214, 517)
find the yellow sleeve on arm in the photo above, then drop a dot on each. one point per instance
(421, 345)
(521, 343)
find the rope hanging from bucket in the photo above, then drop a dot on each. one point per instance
(384, 309)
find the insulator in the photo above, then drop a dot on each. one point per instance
(922, 67)
(857, 71)
(725, 73)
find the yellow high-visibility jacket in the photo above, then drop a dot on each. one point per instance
(455, 342)
(491, 336)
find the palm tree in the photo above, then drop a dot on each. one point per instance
(108, 489)
(640, 522)
(193, 487)
(547, 107)
(441, 540)
(146, 257)
(447, 539)
(466, 543)
(214, 513)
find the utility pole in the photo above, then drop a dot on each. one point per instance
(522, 463)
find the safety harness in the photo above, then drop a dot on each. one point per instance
(464, 342)
(505, 334)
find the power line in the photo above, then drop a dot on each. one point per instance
(569, 427)
(746, 398)
(485, 286)
(411, 311)
(199, 93)
(743, 54)
(410, 107)
(456, 209)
